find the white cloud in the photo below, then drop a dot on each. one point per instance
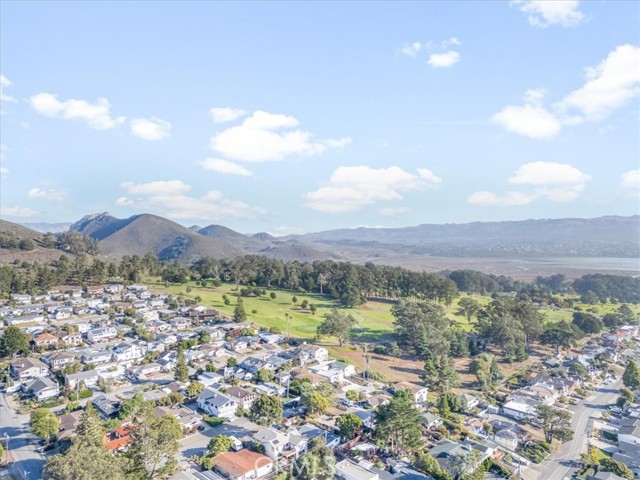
(284, 230)
(528, 120)
(630, 182)
(453, 41)
(548, 173)
(160, 187)
(18, 212)
(412, 49)
(609, 85)
(4, 171)
(97, 115)
(260, 139)
(392, 212)
(152, 128)
(5, 83)
(544, 13)
(489, 199)
(444, 60)
(169, 198)
(225, 166)
(428, 175)
(46, 194)
(556, 182)
(226, 114)
(351, 188)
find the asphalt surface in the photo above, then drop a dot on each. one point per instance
(563, 462)
(27, 461)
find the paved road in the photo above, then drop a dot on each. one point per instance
(23, 444)
(566, 459)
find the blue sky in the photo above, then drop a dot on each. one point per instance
(296, 117)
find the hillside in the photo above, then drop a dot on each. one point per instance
(12, 233)
(597, 237)
(142, 234)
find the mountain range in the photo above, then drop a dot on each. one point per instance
(610, 236)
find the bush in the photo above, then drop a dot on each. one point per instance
(85, 393)
(213, 421)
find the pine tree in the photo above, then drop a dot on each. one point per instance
(182, 370)
(91, 428)
(239, 315)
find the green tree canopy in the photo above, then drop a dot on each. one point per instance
(219, 444)
(398, 425)
(266, 410)
(13, 341)
(336, 324)
(556, 423)
(349, 425)
(181, 373)
(631, 375)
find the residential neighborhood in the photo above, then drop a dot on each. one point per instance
(124, 344)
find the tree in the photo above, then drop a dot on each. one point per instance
(273, 295)
(44, 423)
(398, 425)
(232, 362)
(88, 456)
(468, 307)
(194, 389)
(439, 374)
(318, 464)
(265, 375)
(239, 315)
(485, 368)
(182, 370)
(13, 341)
(336, 324)
(631, 375)
(555, 422)
(349, 425)
(422, 327)
(313, 308)
(558, 335)
(587, 322)
(428, 464)
(616, 467)
(266, 410)
(316, 403)
(154, 444)
(219, 444)
(352, 395)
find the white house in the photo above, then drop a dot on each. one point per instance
(96, 335)
(25, 368)
(126, 352)
(277, 444)
(218, 404)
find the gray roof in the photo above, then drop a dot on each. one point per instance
(42, 383)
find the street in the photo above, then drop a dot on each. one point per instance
(23, 444)
(564, 461)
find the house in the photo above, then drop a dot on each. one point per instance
(145, 371)
(347, 470)
(243, 465)
(189, 420)
(419, 393)
(72, 339)
(25, 368)
(313, 353)
(95, 357)
(41, 388)
(45, 340)
(180, 323)
(218, 404)
(58, 360)
(286, 445)
(117, 440)
(431, 420)
(209, 378)
(367, 417)
(446, 450)
(125, 352)
(520, 408)
(376, 400)
(106, 408)
(61, 313)
(469, 401)
(101, 334)
(68, 424)
(88, 377)
(242, 396)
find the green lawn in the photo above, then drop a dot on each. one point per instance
(374, 318)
